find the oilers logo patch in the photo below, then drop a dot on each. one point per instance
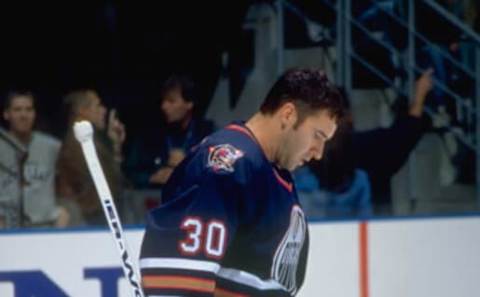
(285, 261)
(222, 157)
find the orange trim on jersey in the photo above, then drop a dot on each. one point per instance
(224, 293)
(363, 254)
(283, 182)
(241, 129)
(178, 282)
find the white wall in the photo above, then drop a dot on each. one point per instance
(333, 261)
(63, 257)
(414, 258)
(422, 258)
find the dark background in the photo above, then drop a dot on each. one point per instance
(123, 49)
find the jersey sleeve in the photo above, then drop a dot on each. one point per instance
(187, 238)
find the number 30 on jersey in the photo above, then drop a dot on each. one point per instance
(209, 238)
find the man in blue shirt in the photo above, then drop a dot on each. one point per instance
(152, 158)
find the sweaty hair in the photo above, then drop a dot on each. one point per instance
(15, 94)
(182, 82)
(309, 90)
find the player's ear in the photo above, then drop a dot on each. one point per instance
(288, 115)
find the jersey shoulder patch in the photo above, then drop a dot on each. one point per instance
(222, 157)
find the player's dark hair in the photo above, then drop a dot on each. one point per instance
(335, 171)
(11, 95)
(309, 90)
(184, 83)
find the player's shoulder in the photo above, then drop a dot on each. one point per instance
(228, 154)
(234, 144)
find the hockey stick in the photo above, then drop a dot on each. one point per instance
(84, 133)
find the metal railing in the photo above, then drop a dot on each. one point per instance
(346, 21)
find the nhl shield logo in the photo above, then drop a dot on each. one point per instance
(222, 157)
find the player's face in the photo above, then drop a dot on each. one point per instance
(175, 107)
(95, 111)
(20, 115)
(307, 141)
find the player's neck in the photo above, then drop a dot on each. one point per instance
(265, 131)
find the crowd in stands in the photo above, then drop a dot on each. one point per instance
(380, 37)
(56, 188)
(44, 181)
(439, 44)
(353, 179)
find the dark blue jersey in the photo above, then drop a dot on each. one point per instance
(230, 225)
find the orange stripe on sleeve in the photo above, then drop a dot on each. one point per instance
(240, 129)
(178, 282)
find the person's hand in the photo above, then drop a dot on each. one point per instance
(63, 218)
(116, 132)
(423, 86)
(454, 47)
(116, 129)
(175, 157)
(161, 176)
(424, 83)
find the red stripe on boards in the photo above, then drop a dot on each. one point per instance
(363, 257)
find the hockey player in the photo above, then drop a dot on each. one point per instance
(230, 223)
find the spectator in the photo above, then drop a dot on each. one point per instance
(74, 180)
(338, 185)
(152, 159)
(372, 17)
(445, 38)
(334, 186)
(438, 42)
(27, 200)
(382, 152)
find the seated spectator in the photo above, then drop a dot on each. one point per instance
(152, 159)
(74, 180)
(27, 200)
(338, 185)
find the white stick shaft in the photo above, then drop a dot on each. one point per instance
(111, 215)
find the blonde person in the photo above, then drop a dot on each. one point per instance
(74, 180)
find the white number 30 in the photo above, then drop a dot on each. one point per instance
(210, 239)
